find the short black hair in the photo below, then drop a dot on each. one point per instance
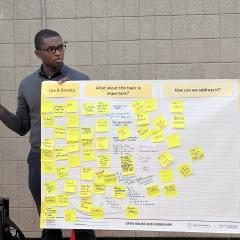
(41, 35)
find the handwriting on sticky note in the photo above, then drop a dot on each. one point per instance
(59, 132)
(177, 106)
(47, 144)
(101, 125)
(71, 106)
(184, 170)
(127, 165)
(165, 159)
(103, 107)
(59, 110)
(87, 133)
(70, 186)
(170, 190)
(102, 143)
(85, 190)
(104, 161)
(97, 212)
(62, 200)
(153, 190)
(196, 153)
(87, 174)
(131, 212)
(160, 122)
(88, 108)
(70, 215)
(119, 192)
(61, 172)
(50, 187)
(123, 133)
(178, 121)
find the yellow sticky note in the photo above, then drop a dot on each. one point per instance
(61, 153)
(178, 121)
(99, 188)
(177, 106)
(72, 135)
(61, 172)
(46, 155)
(87, 174)
(46, 106)
(123, 132)
(166, 175)
(104, 161)
(97, 212)
(131, 212)
(101, 143)
(99, 176)
(138, 106)
(87, 143)
(70, 186)
(62, 200)
(170, 190)
(48, 167)
(110, 179)
(160, 122)
(71, 106)
(85, 191)
(42, 215)
(50, 201)
(73, 147)
(144, 132)
(165, 159)
(184, 170)
(72, 120)
(59, 132)
(88, 155)
(157, 136)
(47, 144)
(103, 107)
(87, 133)
(127, 165)
(70, 216)
(150, 104)
(59, 110)
(50, 213)
(119, 192)
(48, 121)
(50, 187)
(196, 153)
(173, 141)
(88, 108)
(74, 161)
(86, 205)
(142, 119)
(153, 190)
(101, 125)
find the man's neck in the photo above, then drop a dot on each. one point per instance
(50, 71)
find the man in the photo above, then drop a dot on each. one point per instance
(50, 49)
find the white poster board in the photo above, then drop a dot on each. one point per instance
(141, 155)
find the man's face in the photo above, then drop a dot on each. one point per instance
(51, 52)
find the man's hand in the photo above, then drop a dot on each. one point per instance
(63, 80)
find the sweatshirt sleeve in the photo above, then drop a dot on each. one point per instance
(19, 122)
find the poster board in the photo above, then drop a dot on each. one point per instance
(157, 155)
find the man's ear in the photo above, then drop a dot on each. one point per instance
(37, 53)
